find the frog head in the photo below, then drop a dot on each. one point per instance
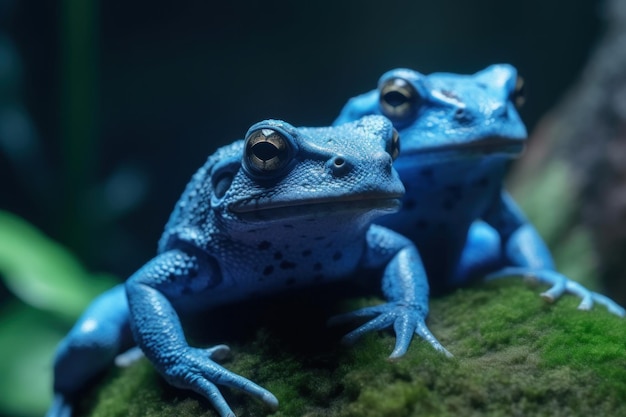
(283, 174)
(293, 187)
(445, 116)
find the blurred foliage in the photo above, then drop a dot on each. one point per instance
(549, 202)
(42, 273)
(52, 288)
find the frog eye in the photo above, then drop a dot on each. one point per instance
(393, 147)
(518, 96)
(398, 99)
(266, 151)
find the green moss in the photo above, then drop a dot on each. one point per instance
(515, 355)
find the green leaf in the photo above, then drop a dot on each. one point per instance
(27, 340)
(42, 273)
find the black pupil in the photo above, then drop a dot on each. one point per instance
(395, 98)
(265, 151)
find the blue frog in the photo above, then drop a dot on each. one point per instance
(286, 207)
(459, 133)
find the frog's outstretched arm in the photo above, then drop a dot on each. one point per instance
(404, 285)
(98, 336)
(157, 328)
(526, 254)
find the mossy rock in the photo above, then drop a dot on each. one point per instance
(515, 355)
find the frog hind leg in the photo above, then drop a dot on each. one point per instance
(101, 333)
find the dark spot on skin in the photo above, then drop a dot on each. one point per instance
(448, 204)
(337, 256)
(318, 278)
(288, 226)
(483, 182)
(290, 281)
(317, 266)
(426, 172)
(319, 238)
(268, 270)
(260, 279)
(409, 204)
(421, 224)
(307, 252)
(265, 245)
(278, 256)
(456, 191)
(287, 265)
(303, 237)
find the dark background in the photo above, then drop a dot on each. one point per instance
(127, 99)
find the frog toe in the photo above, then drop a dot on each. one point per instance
(194, 370)
(378, 323)
(426, 334)
(560, 284)
(609, 304)
(405, 320)
(218, 352)
(403, 339)
(345, 318)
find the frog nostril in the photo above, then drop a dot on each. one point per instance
(339, 165)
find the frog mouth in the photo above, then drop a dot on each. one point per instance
(326, 207)
(493, 145)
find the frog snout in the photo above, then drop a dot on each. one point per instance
(380, 162)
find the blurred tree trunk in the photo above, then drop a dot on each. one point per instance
(572, 180)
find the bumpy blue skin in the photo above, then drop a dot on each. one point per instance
(288, 207)
(458, 134)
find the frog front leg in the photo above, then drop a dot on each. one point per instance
(101, 333)
(157, 328)
(482, 254)
(525, 253)
(405, 287)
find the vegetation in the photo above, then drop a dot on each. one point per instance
(514, 356)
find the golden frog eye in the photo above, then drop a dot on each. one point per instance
(398, 99)
(394, 145)
(266, 151)
(518, 96)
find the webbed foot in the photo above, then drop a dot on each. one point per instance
(406, 321)
(195, 369)
(560, 284)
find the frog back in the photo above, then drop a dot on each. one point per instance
(192, 221)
